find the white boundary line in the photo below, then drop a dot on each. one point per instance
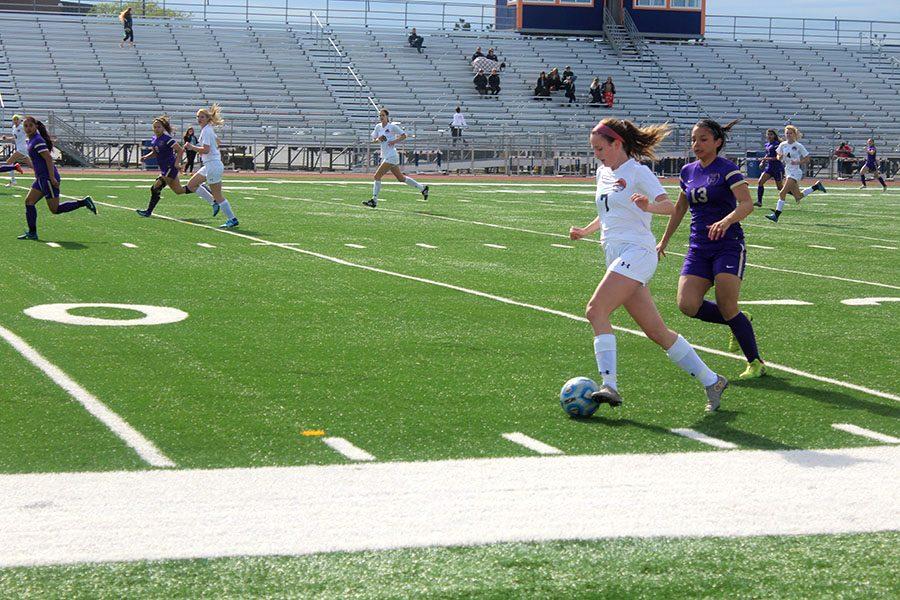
(529, 442)
(862, 431)
(818, 247)
(144, 447)
(348, 450)
(704, 439)
(503, 300)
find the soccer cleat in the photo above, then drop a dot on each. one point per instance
(89, 204)
(819, 187)
(862, 187)
(18, 168)
(772, 217)
(373, 203)
(143, 213)
(229, 224)
(714, 394)
(733, 345)
(757, 203)
(608, 395)
(9, 184)
(754, 370)
(27, 236)
(425, 192)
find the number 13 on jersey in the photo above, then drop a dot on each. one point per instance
(697, 195)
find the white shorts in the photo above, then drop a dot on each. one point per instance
(631, 260)
(212, 171)
(794, 173)
(23, 150)
(391, 159)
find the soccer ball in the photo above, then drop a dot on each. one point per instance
(575, 397)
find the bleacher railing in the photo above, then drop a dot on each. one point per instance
(810, 31)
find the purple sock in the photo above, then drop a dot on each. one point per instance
(742, 329)
(31, 217)
(862, 177)
(709, 312)
(70, 206)
(881, 181)
(5, 168)
(760, 190)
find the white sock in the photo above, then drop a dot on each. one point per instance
(376, 187)
(780, 206)
(12, 178)
(205, 194)
(413, 183)
(807, 192)
(685, 357)
(227, 208)
(605, 352)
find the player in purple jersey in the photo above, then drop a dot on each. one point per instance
(168, 156)
(871, 165)
(719, 199)
(771, 166)
(46, 178)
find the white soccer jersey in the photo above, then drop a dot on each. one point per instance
(792, 153)
(21, 139)
(208, 136)
(391, 132)
(621, 220)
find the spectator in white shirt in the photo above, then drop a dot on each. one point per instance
(457, 125)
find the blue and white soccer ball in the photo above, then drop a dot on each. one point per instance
(575, 397)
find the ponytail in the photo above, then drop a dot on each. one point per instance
(42, 131)
(719, 132)
(638, 142)
(214, 113)
(164, 121)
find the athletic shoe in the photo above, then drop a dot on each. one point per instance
(18, 168)
(143, 213)
(229, 224)
(215, 208)
(772, 217)
(733, 345)
(607, 395)
(714, 394)
(10, 184)
(373, 203)
(89, 204)
(425, 192)
(754, 370)
(819, 187)
(862, 187)
(758, 203)
(27, 236)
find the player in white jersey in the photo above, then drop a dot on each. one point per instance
(389, 135)
(207, 182)
(793, 155)
(628, 194)
(20, 154)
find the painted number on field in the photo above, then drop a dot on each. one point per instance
(867, 301)
(152, 315)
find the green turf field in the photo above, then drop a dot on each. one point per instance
(402, 331)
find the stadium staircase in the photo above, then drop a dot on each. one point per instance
(71, 142)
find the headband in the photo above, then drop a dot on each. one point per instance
(609, 132)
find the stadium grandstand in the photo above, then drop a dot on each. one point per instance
(299, 81)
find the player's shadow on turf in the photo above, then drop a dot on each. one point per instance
(718, 425)
(606, 421)
(72, 245)
(830, 396)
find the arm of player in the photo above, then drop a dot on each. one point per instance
(741, 211)
(179, 152)
(49, 160)
(675, 219)
(576, 233)
(150, 154)
(396, 141)
(661, 205)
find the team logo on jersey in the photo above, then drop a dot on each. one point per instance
(712, 179)
(619, 185)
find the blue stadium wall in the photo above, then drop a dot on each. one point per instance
(668, 22)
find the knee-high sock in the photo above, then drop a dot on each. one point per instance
(70, 206)
(685, 357)
(376, 187)
(742, 329)
(709, 312)
(605, 353)
(205, 194)
(880, 180)
(227, 208)
(154, 200)
(413, 183)
(807, 191)
(780, 206)
(862, 177)
(31, 217)
(760, 190)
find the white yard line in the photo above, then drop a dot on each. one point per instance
(429, 246)
(821, 247)
(70, 518)
(704, 439)
(144, 447)
(497, 246)
(348, 450)
(760, 247)
(784, 302)
(883, 247)
(205, 245)
(868, 433)
(529, 442)
(129, 245)
(358, 246)
(562, 246)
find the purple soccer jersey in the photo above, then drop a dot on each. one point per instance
(165, 155)
(871, 154)
(36, 145)
(710, 195)
(773, 166)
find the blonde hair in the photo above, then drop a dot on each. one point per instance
(213, 113)
(164, 121)
(794, 130)
(638, 142)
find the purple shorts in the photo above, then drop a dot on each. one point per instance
(775, 169)
(43, 186)
(170, 171)
(712, 259)
(871, 166)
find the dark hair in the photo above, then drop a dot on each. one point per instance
(719, 132)
(773, 132)
(385, 111)
(42, 131)
(457, 109)
(164, 121)
(638, 142)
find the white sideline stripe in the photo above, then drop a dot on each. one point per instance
(53, 245)
(821, 247)
(354, 246)
(144, 447)
(785, 302)
(128, 245)
(883, 247)
(497, 246)
(760, 247)
(862, 431)
(704, 439)
(66, 518)
(529, 442)
(550, 311)
(561, 246)
(421, 245)
(205, 245)
(342, 446)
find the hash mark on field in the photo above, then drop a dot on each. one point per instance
(561, 246)
(461, 200)
(114, 197)
(205, 245)
(429, 246)
(529, 442)
(785, 302)
(497, 246)
(354, 246)
(862, 431)
(760, 247)
(128, 245)
(822, 247)
(53, 245)
(704, 439)
(342, 446)
(883, 247)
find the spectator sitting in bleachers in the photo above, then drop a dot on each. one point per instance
(542, 87)
(415, 40)
(478, 53)
(609, 91)
(567, 73)
(596, 94)
(569, 85)
(554, 82)
(491, 56)
(480, 82)
(494, 82)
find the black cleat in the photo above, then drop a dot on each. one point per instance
(759, 203)
(89, 204)
(372, 203)
(143, 213)
(819, 187)
(27, 236)
(425, 192)
(607, 395)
